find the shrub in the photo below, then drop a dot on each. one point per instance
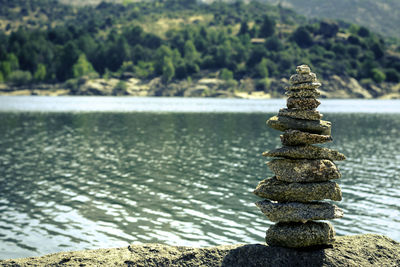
(20, 77)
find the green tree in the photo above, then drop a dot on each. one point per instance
(1, 77)
(262, 69)
(20, 77)
(267, 27)
(82, 67)
(378, 75)
(302, 37)
(40, 73)
(168, 70)
(190, 52)
(226, 74)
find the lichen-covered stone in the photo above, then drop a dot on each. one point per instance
(298, 235)
(298, 138)
(305, 152)
(303, 86)
(303, 78)
(283, 123)
(299, 212)
(313, 115)
(302, 103)
(303, 93)
(304, 170)
(303, 69)
(276, 190)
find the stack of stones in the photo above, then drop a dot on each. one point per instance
(303, 171)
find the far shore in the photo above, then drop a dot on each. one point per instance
(333, 87)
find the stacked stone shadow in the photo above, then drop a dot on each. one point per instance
(303, 171)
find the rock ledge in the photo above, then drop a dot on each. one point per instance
(358, 250)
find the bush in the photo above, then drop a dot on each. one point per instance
(377, 75)
(20, 77)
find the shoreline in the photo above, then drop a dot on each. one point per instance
(356, 250)
(333, 87)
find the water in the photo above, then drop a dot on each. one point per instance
(73, 180)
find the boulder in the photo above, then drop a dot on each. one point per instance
(299, 212)
(297, 138)
(304, 170)
(298, 235)
(283, 123)
(277, 190)
(305, 152)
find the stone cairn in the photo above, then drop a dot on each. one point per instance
(303, 171)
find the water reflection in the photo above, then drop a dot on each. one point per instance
(77, 181)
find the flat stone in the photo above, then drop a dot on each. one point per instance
(303, 93)
(296, 138)
(276, 190)
(299, 212)
(301, 114)
(303, 86)
(302, 103)
(304, 170)
(303, 78)
(298, 235)
(283, 123)
(305, 152)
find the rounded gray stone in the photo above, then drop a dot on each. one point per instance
(305, 152)
(283, 123)
(277, 190)
(298, 235)
(299, 212)
(298, 138)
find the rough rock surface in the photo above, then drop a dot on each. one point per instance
(305, 152)
(273, 189)
(303, 93)
(282, 123)
(299, 212)
(304, 170)
(296, 138)
(297, 235)
(301, 114)
(302, 103)
(303, 86)
(303, 78)
(358, 250)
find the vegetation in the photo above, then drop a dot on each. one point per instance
(179, 39)
(382, 16)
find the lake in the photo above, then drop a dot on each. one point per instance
(97, 172)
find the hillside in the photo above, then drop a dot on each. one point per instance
(382, 16)
(246, 47)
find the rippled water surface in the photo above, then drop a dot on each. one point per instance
(71, 181)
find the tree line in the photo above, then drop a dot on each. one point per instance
(241, 40)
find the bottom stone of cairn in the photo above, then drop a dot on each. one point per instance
(297, 235)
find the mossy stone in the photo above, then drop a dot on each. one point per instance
(301, 114)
